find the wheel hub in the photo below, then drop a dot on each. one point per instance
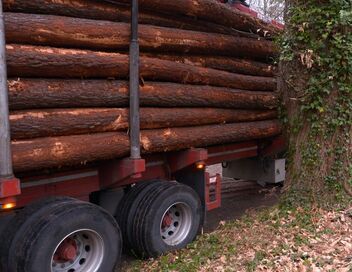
(167, 220)
(67, 251)
(80, 251)
(176, 224)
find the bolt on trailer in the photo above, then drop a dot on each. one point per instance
(78, 219)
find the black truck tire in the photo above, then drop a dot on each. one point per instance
(128, 207)
(20, 221)
(167, 218)
(71, 236)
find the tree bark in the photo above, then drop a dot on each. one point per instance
(59, 31)
(91, 9)
(316, 91)
(60, 122)
(56, 152)
(234, 65)
(32, 61)
(74, 150)
(55, 93)
(180, 138)
(212, 11)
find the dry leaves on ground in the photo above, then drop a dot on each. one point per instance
(300, 240)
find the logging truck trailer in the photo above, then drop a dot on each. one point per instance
(242, 6)
(76, 220)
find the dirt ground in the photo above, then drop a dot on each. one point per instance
(234, 207)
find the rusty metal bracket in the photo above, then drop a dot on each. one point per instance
(115, 172)
(183, 159)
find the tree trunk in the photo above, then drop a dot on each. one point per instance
(316, 85)
(241, 66)
(59, 31)
(59, 122)
(74, 150)
(31, 61)
(55, 93)
(90, 9)
(212, 11)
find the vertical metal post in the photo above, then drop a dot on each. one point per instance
(134, 84)
(5, 141)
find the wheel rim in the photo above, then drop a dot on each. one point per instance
(80, 251)
(176, 224)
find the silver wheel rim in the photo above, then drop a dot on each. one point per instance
(176, 224)
(80, 251)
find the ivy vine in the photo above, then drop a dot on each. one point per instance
(319, 37)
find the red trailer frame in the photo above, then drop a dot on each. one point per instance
(123, 172)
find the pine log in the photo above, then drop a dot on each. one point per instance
(32, 61)
(59, 31)
(234, 65)
(98, 10)
(53, 93)
(41, 153)
(61, 151)
(181, 138)
(60, 122)
(212, 11)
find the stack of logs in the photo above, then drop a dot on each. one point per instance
(206, 78)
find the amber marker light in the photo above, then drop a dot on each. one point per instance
(200, 165)
(8, 206)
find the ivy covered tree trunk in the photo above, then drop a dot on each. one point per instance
(317, 93)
